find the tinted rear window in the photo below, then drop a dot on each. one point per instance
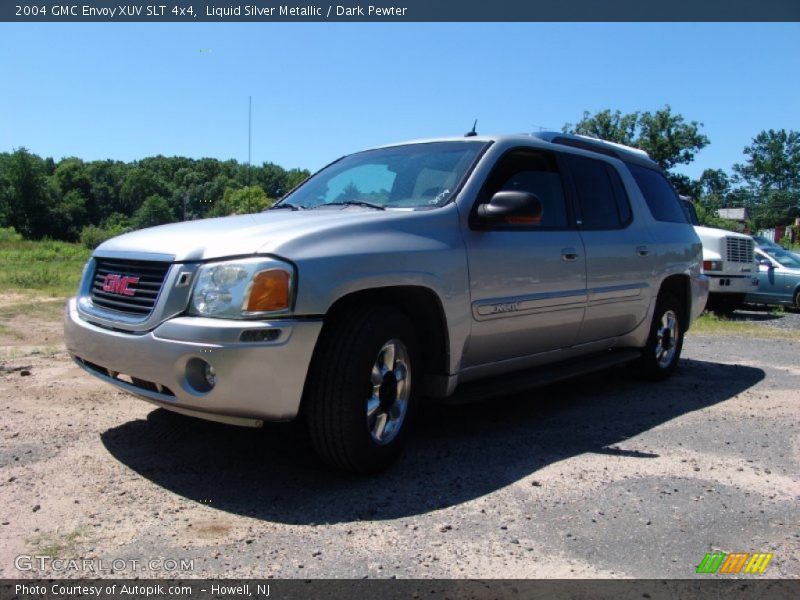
(601, 196)
(659, 194)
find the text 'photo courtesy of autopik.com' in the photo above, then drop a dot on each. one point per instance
(399, 299)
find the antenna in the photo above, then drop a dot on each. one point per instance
(472, 133)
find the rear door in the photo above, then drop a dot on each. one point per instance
(619, 262)
(527, 276)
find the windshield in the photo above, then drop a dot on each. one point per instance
(784, 258)
(762, 241)
(410, 176)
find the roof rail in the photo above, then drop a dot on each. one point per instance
(620, 151)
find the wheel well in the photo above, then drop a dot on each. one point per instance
(421, 305)
(679, 286)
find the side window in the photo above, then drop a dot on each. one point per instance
(601, 196)
(534, 172)
(623, 203)
(659, 194)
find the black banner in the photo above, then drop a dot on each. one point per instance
(322, 589)
(388, 11)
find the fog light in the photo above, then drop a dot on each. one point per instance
(200, 376)
(210, 375)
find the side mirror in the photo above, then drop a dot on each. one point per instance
(763, 262)
(512, 204)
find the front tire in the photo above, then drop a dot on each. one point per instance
(360, 393)
(663, 350)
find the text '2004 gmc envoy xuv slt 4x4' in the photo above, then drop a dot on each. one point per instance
(454, 268)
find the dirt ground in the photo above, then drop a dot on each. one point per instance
(602, 476)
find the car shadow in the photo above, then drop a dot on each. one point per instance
(457, 454)
(757, 313)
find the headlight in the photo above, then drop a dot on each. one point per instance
(712, 265)
(242, 288)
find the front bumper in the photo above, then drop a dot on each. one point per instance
(737, 284)
(255, 381)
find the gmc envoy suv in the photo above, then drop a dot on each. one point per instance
(454, 268)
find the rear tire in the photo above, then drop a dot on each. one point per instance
(360, 394)
(663, 350)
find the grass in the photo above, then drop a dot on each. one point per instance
(10, 332)
(46, 310)
(46, 267)
(13, 353)
(58, 545)
(711, 324)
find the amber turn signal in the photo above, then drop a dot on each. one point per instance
(269, 291)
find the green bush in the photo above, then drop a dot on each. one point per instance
(9, 234)
(92, 236)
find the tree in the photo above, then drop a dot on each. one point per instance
(71, 175)
(771, 177)
(155, 210)
(242, 201)
(295, 177)
(714, 182)
(605, 125)
(42, 197)
(773, 162)
(139, 184)
(68, 216)
(666, 137)
(25, 195)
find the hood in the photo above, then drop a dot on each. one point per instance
(717, 234)
(260, 233)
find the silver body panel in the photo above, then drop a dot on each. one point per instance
(509, 298)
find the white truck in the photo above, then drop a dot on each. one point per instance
(728, 261)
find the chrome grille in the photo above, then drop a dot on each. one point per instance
(740, 250)
(145, 291)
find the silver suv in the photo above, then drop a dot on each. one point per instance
(452, 268)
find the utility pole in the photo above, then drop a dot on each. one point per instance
(249, 147)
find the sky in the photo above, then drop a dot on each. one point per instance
(321, 90)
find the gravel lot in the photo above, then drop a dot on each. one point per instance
(767, 316)
(602, 476)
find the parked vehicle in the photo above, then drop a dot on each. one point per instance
(456, 268)
(779, 278)
(762, 241)
(767, 243)
(728, 261)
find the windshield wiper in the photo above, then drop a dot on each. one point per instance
(287, 205)
(354, 203)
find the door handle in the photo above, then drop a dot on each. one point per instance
(569, 254)
(642, 250)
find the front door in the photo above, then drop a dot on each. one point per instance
(527, 275)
